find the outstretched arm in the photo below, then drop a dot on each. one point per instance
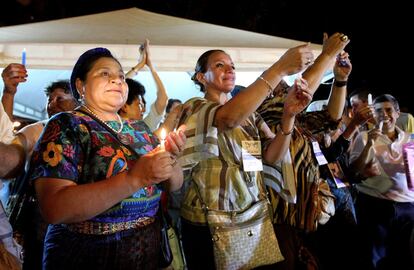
(237, 109)
(332, 47)
(141, 63)
(296, 101)
(342, 69)
(162, 97)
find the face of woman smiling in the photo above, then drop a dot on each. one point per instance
(220, 74)
(105, 89)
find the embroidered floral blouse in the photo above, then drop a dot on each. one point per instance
(75, 147)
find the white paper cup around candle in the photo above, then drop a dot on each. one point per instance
(369, 99)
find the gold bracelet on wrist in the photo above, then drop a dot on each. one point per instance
(269, 86)
(279, 128)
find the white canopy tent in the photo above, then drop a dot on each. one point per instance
(52, 48)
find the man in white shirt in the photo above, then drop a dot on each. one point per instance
(385, 205)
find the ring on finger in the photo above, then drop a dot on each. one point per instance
(344, 38)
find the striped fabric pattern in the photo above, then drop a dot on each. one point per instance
(305, 166)
(215, 160)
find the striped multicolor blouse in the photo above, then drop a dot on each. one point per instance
(215, 160)
(305, 169)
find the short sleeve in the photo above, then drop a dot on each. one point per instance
(59, 152)
(153, 119)
(31, 134)
(202, 135)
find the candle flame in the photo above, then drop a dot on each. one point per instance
(163, 134)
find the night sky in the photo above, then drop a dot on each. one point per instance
(379, 31)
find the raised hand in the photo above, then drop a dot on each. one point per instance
(295, 59)
(12, 75)
(364, 115)
(334, 45)
(298, 98)
(147, 53)
(343, 67)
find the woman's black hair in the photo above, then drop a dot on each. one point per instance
(84, 65)
(170, 102)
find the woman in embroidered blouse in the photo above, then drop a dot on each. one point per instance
(99, 196)
(217, 129)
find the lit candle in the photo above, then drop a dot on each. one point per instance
(163, 135)
(369, 99)
(24, 57)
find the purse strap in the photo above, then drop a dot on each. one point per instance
(204, 206)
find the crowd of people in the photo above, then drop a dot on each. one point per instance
(100, 170)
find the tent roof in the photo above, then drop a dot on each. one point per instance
(175, 43)
(175, 46)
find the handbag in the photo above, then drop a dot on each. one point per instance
(242, 240)
(166, 256)
(178, 259)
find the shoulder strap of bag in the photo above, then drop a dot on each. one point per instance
(203, 204)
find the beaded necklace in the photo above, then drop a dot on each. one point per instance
(122, 137)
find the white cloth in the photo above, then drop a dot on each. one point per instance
(153, 119)
(6, 235)
(391, 184)
(6, 231)
(6, 127)
(31, 134)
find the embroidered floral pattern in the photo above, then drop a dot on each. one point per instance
(52, 155)
(106, 151)
(68, 151)
(75, 147)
